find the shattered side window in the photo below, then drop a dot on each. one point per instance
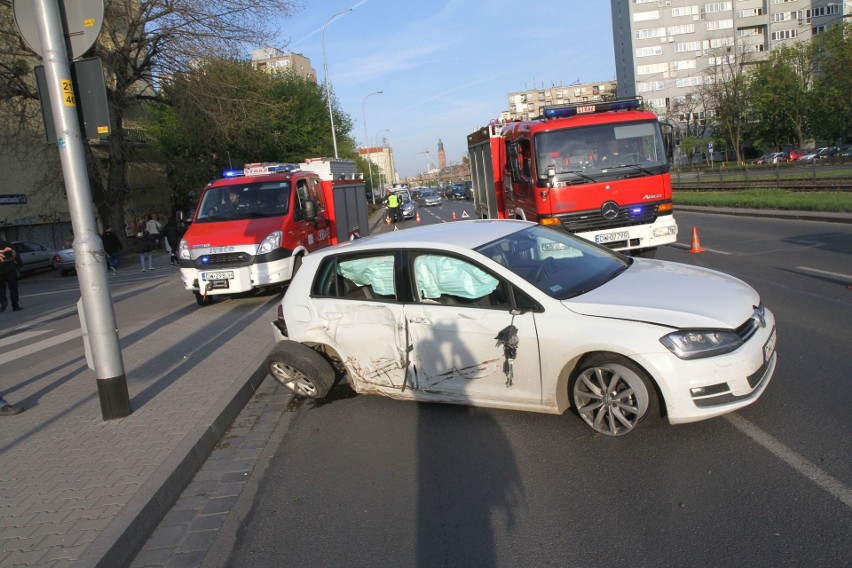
(452, 281)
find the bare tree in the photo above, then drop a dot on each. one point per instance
(142, 43)
(726, 90)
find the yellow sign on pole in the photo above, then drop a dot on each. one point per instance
(68, 93)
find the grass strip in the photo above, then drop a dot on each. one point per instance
(831, 201)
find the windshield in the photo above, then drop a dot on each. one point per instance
(244, 201)
(602, 152)
(557, 263)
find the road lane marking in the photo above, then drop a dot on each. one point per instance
(39, 346)
(23, 336)
(826, 272)
(825, 481)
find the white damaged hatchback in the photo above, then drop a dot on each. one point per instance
(510, 314)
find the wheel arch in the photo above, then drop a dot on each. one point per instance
(573, 367)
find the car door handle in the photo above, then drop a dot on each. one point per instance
(331, 315)
(421, 320)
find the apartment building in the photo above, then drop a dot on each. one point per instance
(272, 60)
(665, 48)
(527, 104)
(381, 158)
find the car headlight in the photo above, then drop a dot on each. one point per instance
(697, 343)
(183, 250)
(270, 243)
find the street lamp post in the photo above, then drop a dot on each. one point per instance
(325, 69)
(367, 142)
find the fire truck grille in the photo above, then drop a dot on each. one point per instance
(226, 259)
(594, 221)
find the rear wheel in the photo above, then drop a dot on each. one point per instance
(300, 369)
(613, 395)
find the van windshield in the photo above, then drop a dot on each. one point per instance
(600, 153)
(244, 201)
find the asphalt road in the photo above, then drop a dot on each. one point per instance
(369, 481)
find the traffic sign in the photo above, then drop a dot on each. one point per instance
(82, 21)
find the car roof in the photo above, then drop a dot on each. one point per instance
(455, 235)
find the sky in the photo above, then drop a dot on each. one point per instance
(445, 67)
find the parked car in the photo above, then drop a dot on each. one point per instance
(780, 157)
(765, 159)
(810, 156)
(828, 152)
(510, 314)
(794, 155)
(429, 197)
(63, 261)
(33, 256)
(845, 151)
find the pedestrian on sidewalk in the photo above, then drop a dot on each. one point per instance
(9, 264)
(144, 247)
(172, 234)
(7, 409)
(113, 247)
(153, 227)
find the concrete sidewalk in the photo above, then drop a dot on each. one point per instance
(78, 490)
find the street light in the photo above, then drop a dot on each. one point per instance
(325, 68)
(367, 142)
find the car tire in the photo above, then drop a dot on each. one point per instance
(300, 369)
(203, 300)
(613, 395)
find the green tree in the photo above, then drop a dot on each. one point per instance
(832, 85)
(780, 96)
(223, 114)
(726, 87)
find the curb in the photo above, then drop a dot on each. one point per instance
(145, 511)
(823, 216)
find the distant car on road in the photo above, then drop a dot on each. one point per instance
(429, 197)
(510, 314)
(794, 155)
(63, 261)
(408, 207)
(33, 256)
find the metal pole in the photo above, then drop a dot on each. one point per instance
(325, 69)
(98, 317)
(367, 142)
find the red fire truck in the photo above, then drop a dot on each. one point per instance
(252, 226)
(599, 170)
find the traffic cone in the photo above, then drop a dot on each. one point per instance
(417, 217)
(696, 244)
(454, 215)
(387, 219)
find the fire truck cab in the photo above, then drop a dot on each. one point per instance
(598, 170)
(252, 226)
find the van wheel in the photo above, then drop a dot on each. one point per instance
(645, 253)
(613, 395)
(202, 301)
(300, 369)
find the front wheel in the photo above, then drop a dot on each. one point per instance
(613, 395)
(300, 369)
(203, 300)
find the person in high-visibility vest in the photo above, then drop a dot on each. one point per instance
(393, 207)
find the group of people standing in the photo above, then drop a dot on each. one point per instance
(151, 235)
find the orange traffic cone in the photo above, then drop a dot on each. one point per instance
(387, 219)
(417, 217)
(454, 215)
(696, 244)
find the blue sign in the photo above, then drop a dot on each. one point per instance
(20, 199)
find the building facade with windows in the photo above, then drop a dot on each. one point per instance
(527, 104)
(381, 158)
(665, 49)
(272, 60)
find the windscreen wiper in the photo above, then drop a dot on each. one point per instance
(636, 167)
(576, 173)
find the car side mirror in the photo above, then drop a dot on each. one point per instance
(309, 210)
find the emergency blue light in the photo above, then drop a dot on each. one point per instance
(636, 210)
(573, 109)
(204, 259)
(232, 173)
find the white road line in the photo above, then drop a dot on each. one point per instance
(687, 247)
(826, 272)
(833, 486)
(23, 336)
(40, 346)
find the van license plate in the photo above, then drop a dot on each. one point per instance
(222, 275)
(612, 237)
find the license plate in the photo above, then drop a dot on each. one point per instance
(612, 237)
(769, 346)
(222, 275)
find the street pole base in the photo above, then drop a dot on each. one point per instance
(115, 400)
